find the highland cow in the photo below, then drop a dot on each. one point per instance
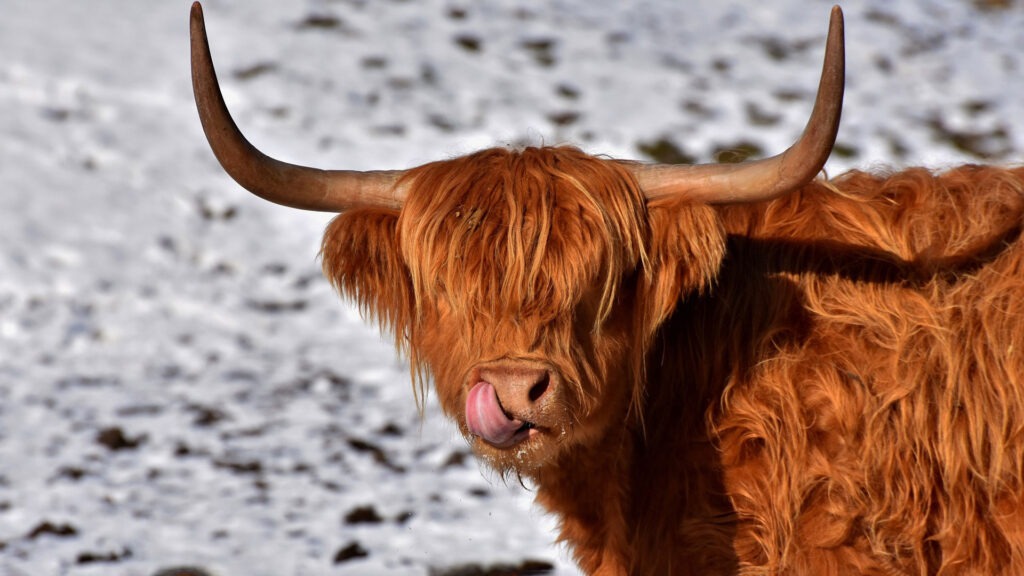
(704, 369)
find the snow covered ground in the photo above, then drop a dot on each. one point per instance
(179, 386)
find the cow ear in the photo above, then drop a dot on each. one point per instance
(362, 260)
(686, 248)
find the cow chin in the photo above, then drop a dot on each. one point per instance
(536, 449)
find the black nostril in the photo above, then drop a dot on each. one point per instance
(538, 389)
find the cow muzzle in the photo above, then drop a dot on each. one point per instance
(510, 403)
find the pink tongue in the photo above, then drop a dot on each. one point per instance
(486, 419)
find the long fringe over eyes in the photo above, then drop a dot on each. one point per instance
(521, 233)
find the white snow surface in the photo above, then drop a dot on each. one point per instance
(180, 386)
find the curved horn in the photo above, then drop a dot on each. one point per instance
(770, 177)
(279, 182)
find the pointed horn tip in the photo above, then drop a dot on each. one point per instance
(836, 17)
(196, 14)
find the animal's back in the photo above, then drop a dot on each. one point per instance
(869, 337)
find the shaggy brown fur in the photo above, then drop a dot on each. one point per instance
(829, 383)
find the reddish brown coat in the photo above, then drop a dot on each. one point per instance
(829, 383)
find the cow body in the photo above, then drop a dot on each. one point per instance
(868, 405)
(828, 383)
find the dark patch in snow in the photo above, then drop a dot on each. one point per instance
(81, 381)
(73, 473)
(457, 13)
(389, 130)
(115, 439)
(374, 62)
(240, 466)
(665, 151)
(698, 109)
(456, 459)
(791, 95)
(379, 456)
(277, 306)
(255, 71)
(524, 568)
(881, 17)
(182, 450)
(757, 116)
(104, 557)
(391, 429)
(428, 74)
(976, 108)
(565, 118)
(542, 50)
(140, 410)
(182, 571)
(207, 416)
(274, 268)
(845, 150)
(738, 152)
(47, 528)
(779, 50)
(326, 22)
(351, 551)
(469, 43)
(441, 122)
(568, 91)
(363, 515)
(212, 213)
(982, 144)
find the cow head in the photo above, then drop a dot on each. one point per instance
(529, 283)
(526, 283)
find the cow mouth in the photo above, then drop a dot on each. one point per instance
(489, 421)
